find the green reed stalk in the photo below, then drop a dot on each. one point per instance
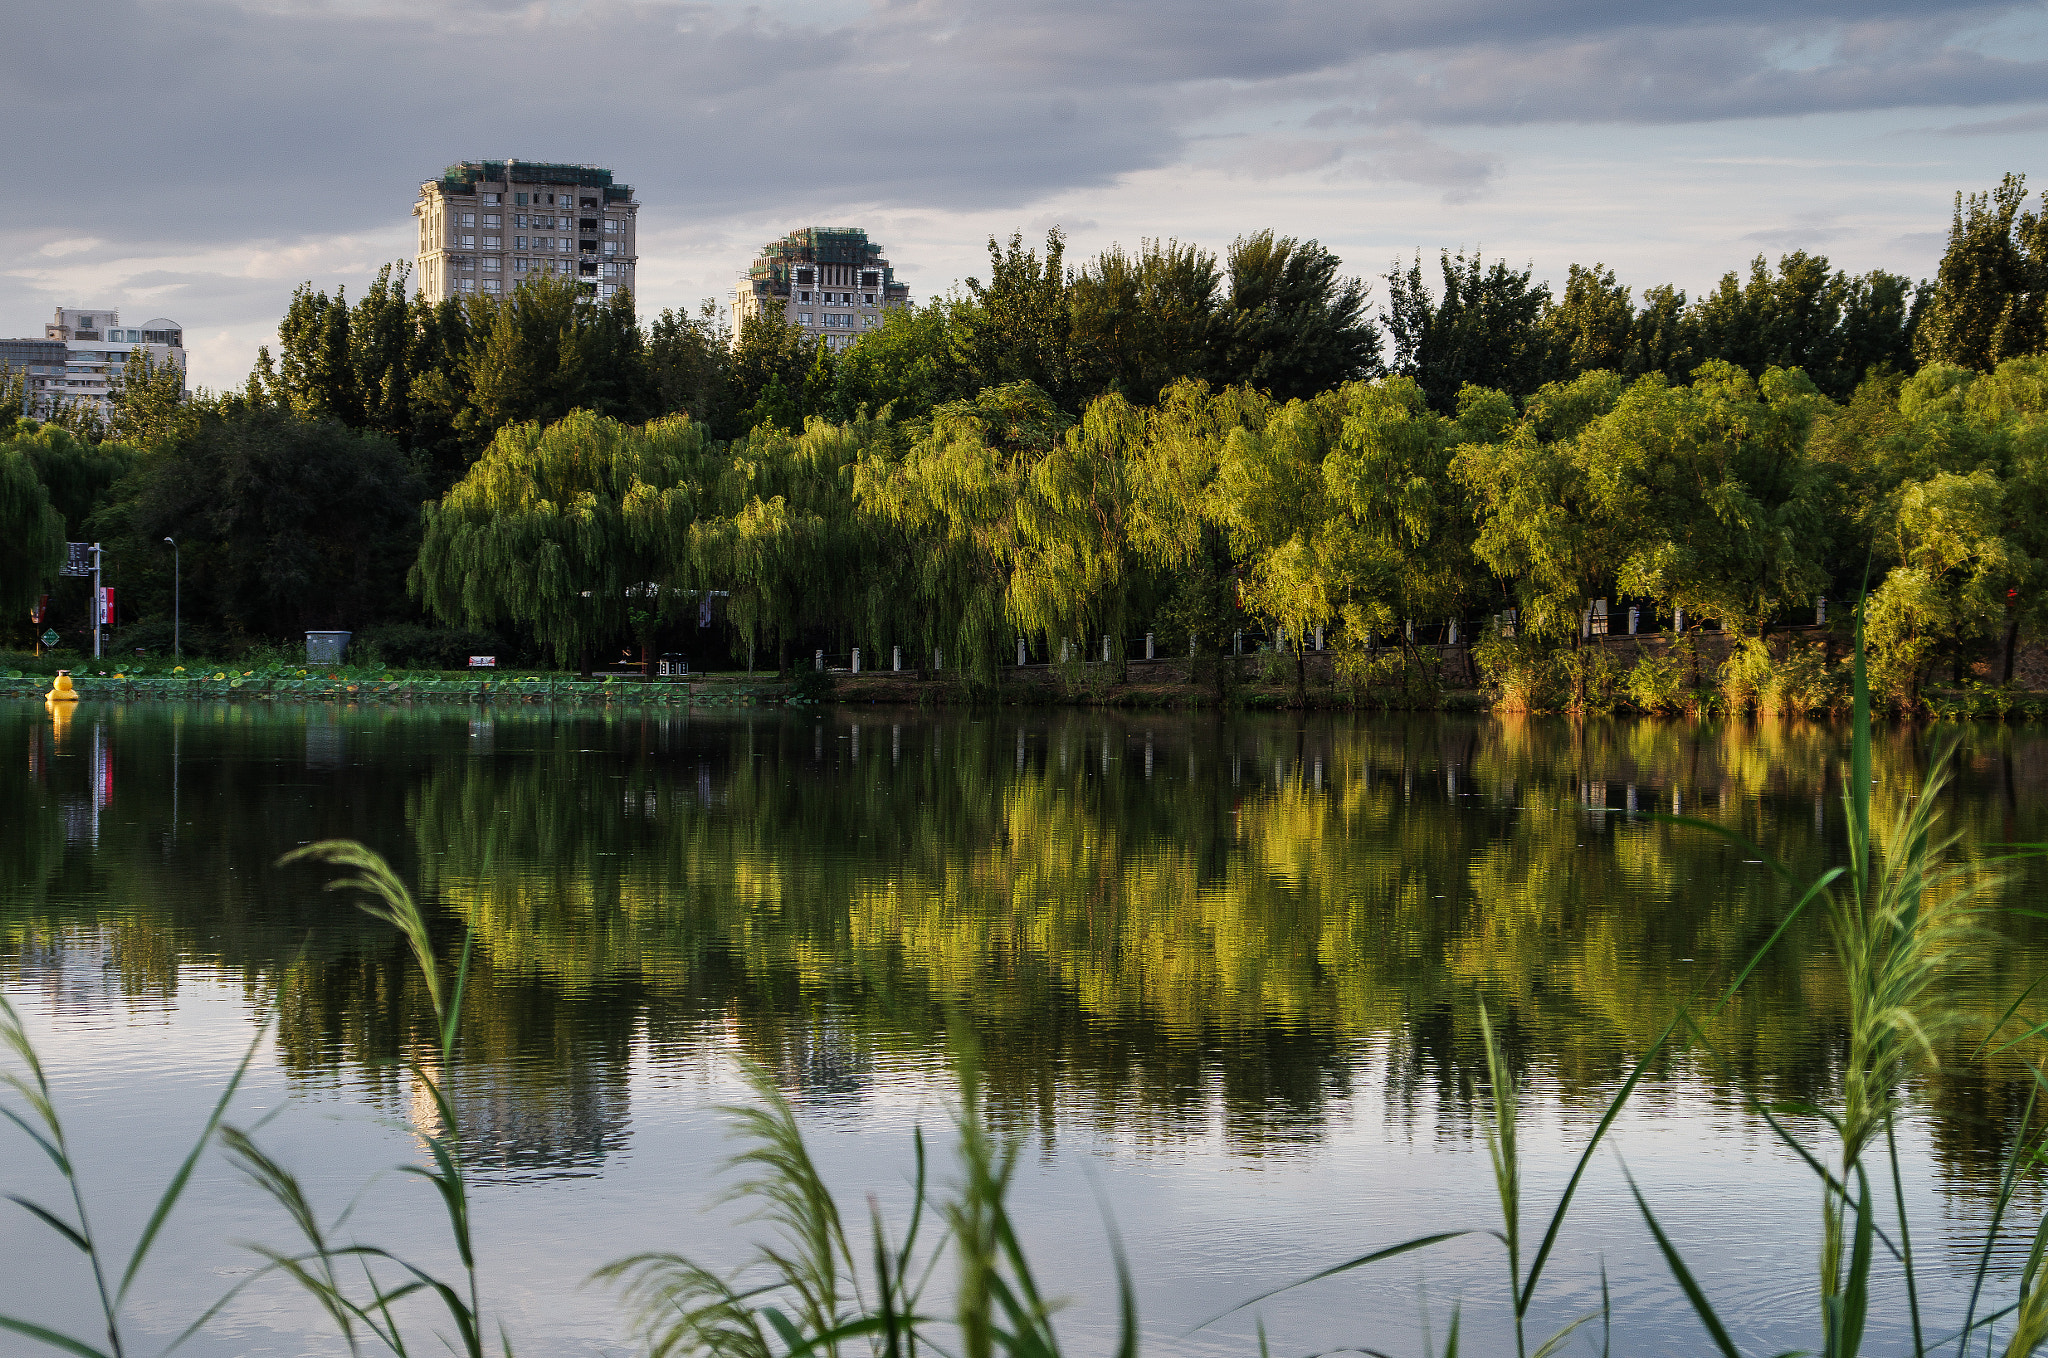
(45, 1127)
(314, 1267)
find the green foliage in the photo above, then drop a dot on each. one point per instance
(31, 531)
(283, 523)
(554, 526)
(1485, 330)
(1992, 287)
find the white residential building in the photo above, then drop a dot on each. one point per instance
(82, 353)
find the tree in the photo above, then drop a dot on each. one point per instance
(316, 373)
(31, 532)
(1592, 327)
(1949, 587)
(1019, 326)
(689, 359)
(150, 403)
(1143, 319)
(1992, 286)
(1293, 326)
(960, 494)
(560, 527)
(908, 366)
(769, 362)
(1712, 491)
(78, 476)
(1484, 331)
(284, 522)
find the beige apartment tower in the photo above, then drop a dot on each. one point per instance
(486, 226)
(828, 280)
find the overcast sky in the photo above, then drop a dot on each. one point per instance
(200, 158)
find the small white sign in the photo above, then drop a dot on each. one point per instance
(483, 662)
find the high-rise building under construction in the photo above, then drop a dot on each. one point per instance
(828, 280)
(487, 226)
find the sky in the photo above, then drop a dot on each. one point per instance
(199, 159)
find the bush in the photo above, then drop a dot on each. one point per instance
(1657, 684)
(1523, 673)
(813, 686)
(1798, 681)
(411, 646)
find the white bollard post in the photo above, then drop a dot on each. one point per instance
(896, 658)
(1237, 643)
(856, 660)
(1451, 634)
(1105, 650)
(1148, 645)
(1020, 653)
(1319, 638)
(1635, 618)
(819, 662)
(1191, 645)
(938, 659)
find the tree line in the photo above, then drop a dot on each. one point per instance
(1160, 439)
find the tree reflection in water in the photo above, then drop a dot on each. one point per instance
(1159, 922)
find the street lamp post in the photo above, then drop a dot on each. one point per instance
(177, 602)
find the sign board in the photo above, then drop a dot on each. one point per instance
(40, 610)
(106, 615)
(483, 662)
(50, 638)
(77, 559)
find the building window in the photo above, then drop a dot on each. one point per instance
(491, 265)
(493, 219)
(871, 278)
(465, 285)
(490, 200)
(469, 219)
(518, 266)
(870, 320)
(492, 242)
(867, 299)
(519, 242)
(469, 242)
(611, 247)
(490, 285)
(803, 318)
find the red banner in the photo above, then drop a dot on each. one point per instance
(106, 618)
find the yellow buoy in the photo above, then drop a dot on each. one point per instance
(61, 691)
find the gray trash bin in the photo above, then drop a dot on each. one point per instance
(325, 648)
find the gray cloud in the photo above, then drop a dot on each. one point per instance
(1995, 127)
(211, 127)
(212, 120)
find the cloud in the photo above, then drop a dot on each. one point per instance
(238, 146)
(2033, 121)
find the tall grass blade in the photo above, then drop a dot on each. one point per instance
(1686, 1282)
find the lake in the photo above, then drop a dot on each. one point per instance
(1223, 973)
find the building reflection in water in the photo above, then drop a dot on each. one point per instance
(534, 1119)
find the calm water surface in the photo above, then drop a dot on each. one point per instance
(1224, 973)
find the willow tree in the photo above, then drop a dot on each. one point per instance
(31, 532)
(960, 495)
(1399, 542)
(1713, 485)
(561, 528)
(1273, 503)
(779, 531)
